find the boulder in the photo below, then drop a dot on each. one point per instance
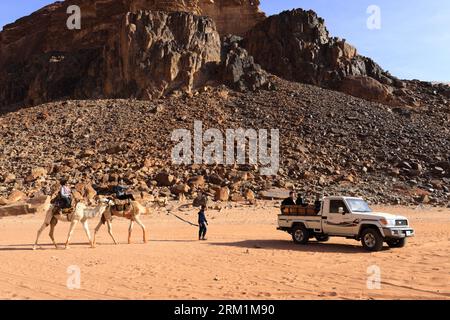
(200, 200)
(9, 178)
(274, 194)
(180, 189)
(249, 195)
(36, 173)
(222, 194)
(237, 197)
(215, 179)
(16, 210)
(366, 88)
(164, 179)
(16, 196)
(197, 182)
(3, 201)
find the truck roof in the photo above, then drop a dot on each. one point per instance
(342, 197)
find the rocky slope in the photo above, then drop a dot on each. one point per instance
(330, 142)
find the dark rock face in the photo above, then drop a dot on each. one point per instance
(160, 52)
(144, 55)
(238, 69)
(296, 46)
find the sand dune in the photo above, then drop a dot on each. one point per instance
(244, 258)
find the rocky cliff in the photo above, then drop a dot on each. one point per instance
(117, 53)
(297, 46)
(233, 16)
(149, 48)
(119, 50)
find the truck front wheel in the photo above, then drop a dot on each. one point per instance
(372, 240)
(300, 234)
(396, 243)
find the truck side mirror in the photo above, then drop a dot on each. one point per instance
(341, 210)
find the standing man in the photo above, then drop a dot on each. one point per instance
(202, 223)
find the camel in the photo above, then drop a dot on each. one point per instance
(81, 213)
(133, 214)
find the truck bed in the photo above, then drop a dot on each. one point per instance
(298, 210)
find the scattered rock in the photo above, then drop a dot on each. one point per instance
(164, 179)
(222, 194)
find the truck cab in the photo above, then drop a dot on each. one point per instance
(347, 217)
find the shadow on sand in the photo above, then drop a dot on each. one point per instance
(312, 246)
(29, 247)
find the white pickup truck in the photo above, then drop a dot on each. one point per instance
(346, 217)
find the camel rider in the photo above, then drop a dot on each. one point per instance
(66, 195)
(120, 191)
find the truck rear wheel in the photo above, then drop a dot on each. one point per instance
(396, 243)
(300, 234)
(372, 240)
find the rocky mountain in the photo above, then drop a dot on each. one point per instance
(139, 69)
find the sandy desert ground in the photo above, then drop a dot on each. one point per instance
(244, 258)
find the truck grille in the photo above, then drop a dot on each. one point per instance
(401, 222)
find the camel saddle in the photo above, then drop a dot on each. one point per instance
(122, 205)
(59, 207)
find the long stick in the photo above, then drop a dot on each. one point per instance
(185, 221)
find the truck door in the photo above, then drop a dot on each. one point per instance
(338, 223)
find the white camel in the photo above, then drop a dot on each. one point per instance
(81, 213)
(133, 214)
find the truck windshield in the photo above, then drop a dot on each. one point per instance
(357, 205)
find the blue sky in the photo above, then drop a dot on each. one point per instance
(413, 42)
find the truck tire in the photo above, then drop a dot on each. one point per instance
(396, 243)
(300, 234)
(371, 239)
(322, 237)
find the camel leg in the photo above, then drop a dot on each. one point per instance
(72, 227)
(139, 222)
(52, 231)
(130, 229)
(109, 224)
(88, 234)
(42, 228)
(100, 223)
